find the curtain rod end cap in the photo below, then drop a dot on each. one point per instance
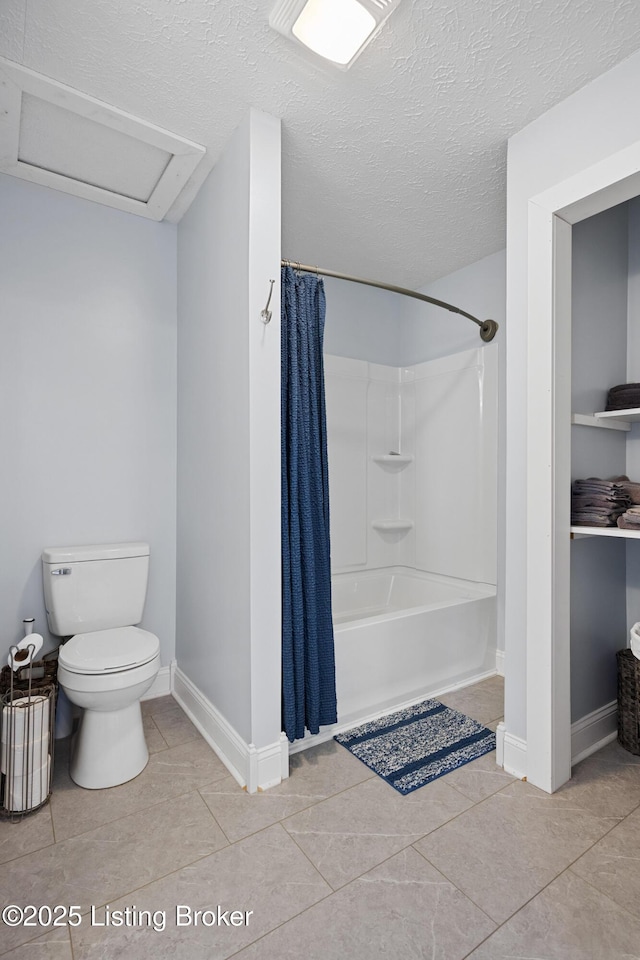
(488, 330)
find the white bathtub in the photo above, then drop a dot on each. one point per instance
(401, 635)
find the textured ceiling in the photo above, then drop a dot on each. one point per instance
(395, 169)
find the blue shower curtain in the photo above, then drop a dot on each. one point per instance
(308, 667)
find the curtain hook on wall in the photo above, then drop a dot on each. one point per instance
(266, 313)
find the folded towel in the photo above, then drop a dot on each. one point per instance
(630, 487)
(625, 523)
(598, 503)
(623, 397)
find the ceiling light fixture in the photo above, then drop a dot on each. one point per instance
(337, 30)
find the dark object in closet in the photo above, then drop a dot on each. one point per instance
(623, 397)
(628, 701)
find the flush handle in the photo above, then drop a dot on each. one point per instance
(61, 572)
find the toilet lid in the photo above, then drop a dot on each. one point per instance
(105, 651)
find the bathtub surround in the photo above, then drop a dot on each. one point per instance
(308, 665)
(412, 477)
(412, 464)
(414, 746)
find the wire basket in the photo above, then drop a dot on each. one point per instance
(28, 702)
(628, 701)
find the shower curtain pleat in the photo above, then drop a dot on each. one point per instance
(308, 664)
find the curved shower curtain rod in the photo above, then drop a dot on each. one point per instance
(488, 328)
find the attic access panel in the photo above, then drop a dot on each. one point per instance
(55, 136)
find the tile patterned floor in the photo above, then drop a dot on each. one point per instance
(333, 863)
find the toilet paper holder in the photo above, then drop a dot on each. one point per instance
(27, 715)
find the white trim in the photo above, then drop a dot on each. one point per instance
(162, 684)
(594, 731)
(254, 768)
(590, 191)
(514, 754)
(500, 732)
(500, 663)
(185, 154)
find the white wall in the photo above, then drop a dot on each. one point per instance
(228, 583)
(429, 332)
(599, 360)
(366, 323)
(586, 128)
(363, 323)
(88, 380)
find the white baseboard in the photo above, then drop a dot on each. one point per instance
(588, 735)
(500, 663)
(254, 768)
(513, 751)
(162, 685)
(500, 744)
(594, 731)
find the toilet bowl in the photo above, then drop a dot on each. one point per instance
(106, 672)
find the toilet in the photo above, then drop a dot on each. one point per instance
(94, 595)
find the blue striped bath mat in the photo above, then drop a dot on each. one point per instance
(419, 744)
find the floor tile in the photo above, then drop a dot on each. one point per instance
(614, 753)
(354, 831)
(613, 864)
(605, 785)
(168, 774)
(569, 920)
(155, 704)
(315, 774)
(505, 849)
(404, 908)
(33, 832)
(265, 873)
(479, 779)
(172, 722)
(48, 946)
(241, 814)
(326, 769)
(103, 864)
(482, 701)
(155, 740)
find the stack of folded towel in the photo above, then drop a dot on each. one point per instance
(598, 503)
(624, 397)
(630, 487)
(630, 519)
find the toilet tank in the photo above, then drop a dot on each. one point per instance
(94, 587)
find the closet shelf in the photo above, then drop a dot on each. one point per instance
(614, 420)
(578, 531)
(387, 525)
(632, 415)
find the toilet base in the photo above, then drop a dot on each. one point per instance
(109, 748)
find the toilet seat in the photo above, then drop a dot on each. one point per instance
(108, 651)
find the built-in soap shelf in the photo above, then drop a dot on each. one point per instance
(399, 460)
(387, 526)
